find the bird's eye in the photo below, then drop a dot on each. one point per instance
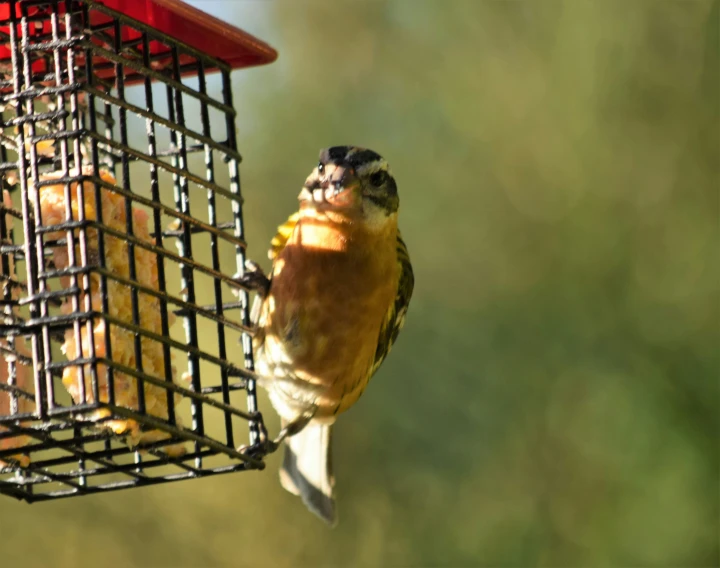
(379, 178)
(321, 168)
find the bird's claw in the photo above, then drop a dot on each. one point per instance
(259, 449)
(254, 278)
(263, 446)
(266, 446)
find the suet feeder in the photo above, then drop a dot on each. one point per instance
(125, 353)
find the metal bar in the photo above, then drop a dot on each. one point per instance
(182, 203)
(196, 225)
(215, 255)
(240, 258)
(174, 82)
(38, 497)
(185, 306)
(63, 320)
(173, 169)
(150, 115)
(21, 73)
(132, 269)
(157, 225)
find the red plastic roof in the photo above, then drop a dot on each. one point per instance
(198, 29)
(182, 22)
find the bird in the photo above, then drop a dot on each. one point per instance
(330, 310)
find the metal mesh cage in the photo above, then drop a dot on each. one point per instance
(121, 225)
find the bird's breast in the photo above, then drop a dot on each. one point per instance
(332, 287)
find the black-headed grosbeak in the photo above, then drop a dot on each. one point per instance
(331, 310)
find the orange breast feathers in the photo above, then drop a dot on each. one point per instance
(332, 286)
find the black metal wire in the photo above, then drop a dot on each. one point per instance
(234, 171)
(67, 105)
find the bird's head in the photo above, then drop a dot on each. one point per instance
(354, 181)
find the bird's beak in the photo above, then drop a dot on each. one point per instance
(336, 187)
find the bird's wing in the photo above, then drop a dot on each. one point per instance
(277, 243)
(283, 234)
(396, 314)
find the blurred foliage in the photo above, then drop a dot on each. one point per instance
(553, 400)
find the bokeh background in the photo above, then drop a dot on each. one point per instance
(553, 399)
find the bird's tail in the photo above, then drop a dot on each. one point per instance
(307, 469)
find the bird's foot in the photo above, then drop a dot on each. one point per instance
(263, 446)
(254, 278)
(267, 446)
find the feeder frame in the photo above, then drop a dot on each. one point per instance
(65, 74)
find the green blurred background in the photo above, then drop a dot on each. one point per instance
(553, 399)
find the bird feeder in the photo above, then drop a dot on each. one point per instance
(125, 354)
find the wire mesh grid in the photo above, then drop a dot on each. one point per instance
(121, 209)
